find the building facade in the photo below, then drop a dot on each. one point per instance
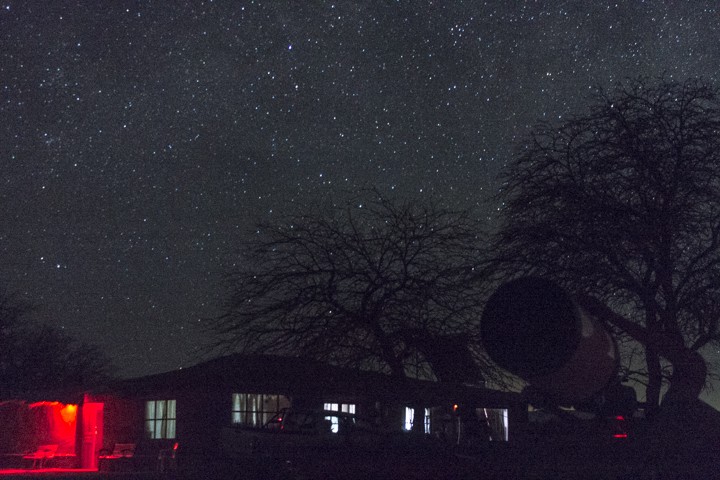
(219, 407)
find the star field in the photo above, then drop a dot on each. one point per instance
(140, 139)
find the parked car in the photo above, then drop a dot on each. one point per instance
(330, 444)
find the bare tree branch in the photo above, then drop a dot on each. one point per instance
(623, 204)
(389, 286)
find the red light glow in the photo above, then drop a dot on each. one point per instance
(43, 404)
(52, 422)
(43, 472)
(69, 413)
(620, 435)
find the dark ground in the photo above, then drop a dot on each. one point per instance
(539, 460)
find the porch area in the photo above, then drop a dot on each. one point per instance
(65, 439)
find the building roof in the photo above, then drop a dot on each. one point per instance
(302, 376)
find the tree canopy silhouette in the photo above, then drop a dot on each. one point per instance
(40, 358)
(384, 285)
(622, 205)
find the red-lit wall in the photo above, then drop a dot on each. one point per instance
(51, 423)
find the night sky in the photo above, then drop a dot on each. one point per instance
(139, 140)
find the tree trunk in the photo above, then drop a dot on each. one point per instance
(652, 392)
(689, 369)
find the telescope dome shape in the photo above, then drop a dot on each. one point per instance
(533, 328)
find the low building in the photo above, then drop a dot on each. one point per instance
(195, 411)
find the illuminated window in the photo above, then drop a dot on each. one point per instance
(160, 418)
(410, 419)
(340, 407)
(256, 409)
(337, 407)
(498, 423)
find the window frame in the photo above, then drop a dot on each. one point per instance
(161, 424)
(348, 408)
(244, 414)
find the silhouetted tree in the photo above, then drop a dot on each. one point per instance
(378, 285)
(38, 357)
(622, 205)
